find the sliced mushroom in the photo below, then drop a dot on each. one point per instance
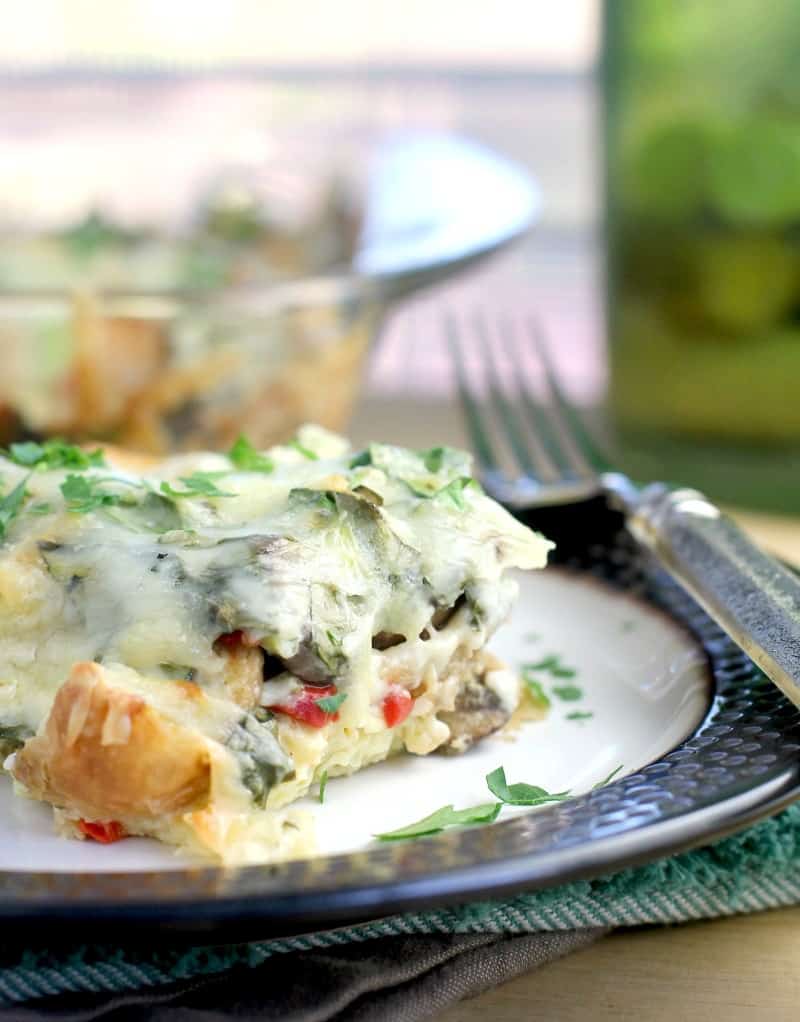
(478, 712)
(385, 640)
(308, 666)
(443, 615)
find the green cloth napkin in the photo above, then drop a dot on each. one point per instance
(756, 869)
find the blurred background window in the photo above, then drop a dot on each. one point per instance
(155, 149)
(512, 73)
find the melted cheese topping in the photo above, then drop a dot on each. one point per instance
(312, 561)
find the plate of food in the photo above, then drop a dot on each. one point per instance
(261, 692)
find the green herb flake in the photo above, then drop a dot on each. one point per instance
(327, 500)
(553, 666)
(305, 451)
(579, 715)
(568, 693)
(323, 784)
(246, 458)
(330, 704)
(39, 509)
(83, 494)
(454, 491)
(536, 692)
(520, 794)
(360, 460)
(55, 454)
(333, 639)
(28, 454)
(198, 484)
(10, 506)
(444, 459)
(434, 458)
(425, 488)
(447, 816)
(605, 781)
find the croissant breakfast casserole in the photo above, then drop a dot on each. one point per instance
(188, 645)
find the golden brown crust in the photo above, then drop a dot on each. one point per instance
(106, 754)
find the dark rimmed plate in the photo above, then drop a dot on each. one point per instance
(738, 764)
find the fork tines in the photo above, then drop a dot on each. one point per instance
(529, 442)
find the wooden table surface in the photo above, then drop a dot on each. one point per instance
(728, 970)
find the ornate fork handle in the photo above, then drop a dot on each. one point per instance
(749, 594)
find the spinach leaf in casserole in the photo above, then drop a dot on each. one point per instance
(262, 762)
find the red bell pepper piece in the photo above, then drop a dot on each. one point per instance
(232, 640)
(397, 705)
(106, 833)
(303, 705)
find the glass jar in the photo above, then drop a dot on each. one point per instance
(702, 123)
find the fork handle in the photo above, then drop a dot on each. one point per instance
(752, 597)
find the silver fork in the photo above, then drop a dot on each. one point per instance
(533, 450)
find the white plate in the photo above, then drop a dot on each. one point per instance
(643, 678)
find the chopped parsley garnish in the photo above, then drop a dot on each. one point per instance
(245, 457)
(83, 494)
(360, 460)
(520, 794)
(333, 639)
(445, 459)
(552, 665)
(423, 487)
(54, 454)
(434, 458)
(568, 693)
(198, 484)
(447, 816)
(27, 453)
(323, 784)
(536, 692)
(453, 491)
(326, 500)
(330, 704)
(613, 774)
(305, 451)
(10, 506)
(509, 794)
(579, 715)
